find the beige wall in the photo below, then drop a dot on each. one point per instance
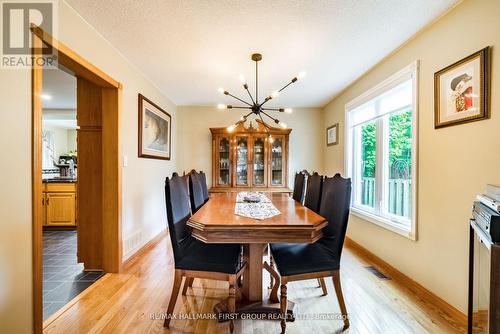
(142, 181)
(195, 143)
(455, 163)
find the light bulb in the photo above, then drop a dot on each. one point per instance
(275, 94)
(301, 75)
(271, 139)
(242, 79)
(282, 124)
(288, 110)
(221, 106)
(221, 90)
(231, 128)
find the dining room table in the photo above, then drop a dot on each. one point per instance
(225, 219)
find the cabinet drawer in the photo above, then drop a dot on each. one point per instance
(60, 187)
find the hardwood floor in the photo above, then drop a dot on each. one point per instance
(126, 303)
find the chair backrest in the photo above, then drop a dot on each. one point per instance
(195, 191)
(313, 192)
(178, 212)
(298, 187)
(335, 206)
(204, 187)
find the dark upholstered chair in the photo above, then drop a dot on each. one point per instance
(195, 191)
(312, 200)
(194, 258)
(297, 262)
(299, 186)
(313, 192)
(203, 182)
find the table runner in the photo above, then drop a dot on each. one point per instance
(261, 210)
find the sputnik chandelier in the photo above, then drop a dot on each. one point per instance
(254, 106)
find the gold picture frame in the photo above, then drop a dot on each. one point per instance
(461, 91)
(332, 135)
(155, 131)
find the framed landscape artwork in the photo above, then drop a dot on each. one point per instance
(332, 135)
(155, 126)
(461, 91)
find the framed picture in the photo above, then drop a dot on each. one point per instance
(461, 91)
(332, 135)
(155, 126)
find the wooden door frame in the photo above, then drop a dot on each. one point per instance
(111, 193)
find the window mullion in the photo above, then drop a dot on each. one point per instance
(379, 163)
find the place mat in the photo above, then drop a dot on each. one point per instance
(240, 197)
(260, 211)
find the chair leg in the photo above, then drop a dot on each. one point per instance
(232, 301)
(173, 297)
(271, 264)
(340, 298)
(322, 284)
(283, 308)
(188, 283)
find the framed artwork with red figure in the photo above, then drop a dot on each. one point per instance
(461, 91)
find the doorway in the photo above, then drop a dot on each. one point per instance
(98, 190)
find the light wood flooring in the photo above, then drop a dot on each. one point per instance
(126, 302)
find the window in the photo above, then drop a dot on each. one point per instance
(381, 137)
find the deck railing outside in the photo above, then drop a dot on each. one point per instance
(399, 195)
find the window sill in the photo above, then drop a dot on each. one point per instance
(384, 222)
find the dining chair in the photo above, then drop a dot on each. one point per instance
(204, 187)
(312, 200)
(195, 191)
(193, 258)
(297, 262)
(299, 187)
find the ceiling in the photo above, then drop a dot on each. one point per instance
(60, 87)
(190, 48)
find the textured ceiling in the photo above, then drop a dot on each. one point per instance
(189, 48)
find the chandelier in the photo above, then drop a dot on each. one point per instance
(254, 105)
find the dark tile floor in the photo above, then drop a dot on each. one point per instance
(63, 276)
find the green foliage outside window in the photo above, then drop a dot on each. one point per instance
(400, 145)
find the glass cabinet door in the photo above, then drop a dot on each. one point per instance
(224, 168)
(277, 168)
(258, 172)
(242, 161)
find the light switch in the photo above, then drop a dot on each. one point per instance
(124, 161)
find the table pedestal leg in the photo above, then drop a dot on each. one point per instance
(252, 302)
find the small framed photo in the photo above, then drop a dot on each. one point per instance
(332, 135)
(461, 91)
(155, 127)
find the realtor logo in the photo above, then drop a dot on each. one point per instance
(17, 38)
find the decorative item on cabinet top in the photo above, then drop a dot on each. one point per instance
(248, 158)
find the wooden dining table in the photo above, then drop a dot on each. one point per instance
(216, 222)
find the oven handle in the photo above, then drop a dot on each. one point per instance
(481, 235)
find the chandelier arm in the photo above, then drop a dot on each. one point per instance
(249, 94)
(239, 107)
(264, 123)
(285, 86)
(237, 98)
(271, 117)
(271, 109)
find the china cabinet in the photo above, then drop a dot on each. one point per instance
(247, 158)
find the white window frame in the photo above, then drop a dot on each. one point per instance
(388, 222)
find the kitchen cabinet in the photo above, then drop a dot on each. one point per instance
(59, 204)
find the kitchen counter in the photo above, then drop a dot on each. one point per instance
(59, 180)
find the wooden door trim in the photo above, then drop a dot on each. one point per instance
(112, 259)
